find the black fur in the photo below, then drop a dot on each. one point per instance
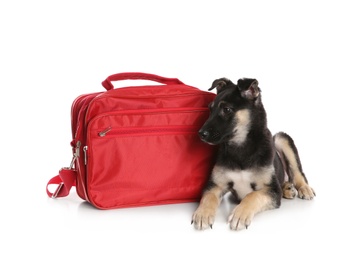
(251, 163)
(258, 148)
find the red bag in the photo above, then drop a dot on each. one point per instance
(137, 146)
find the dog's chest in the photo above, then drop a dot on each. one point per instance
(243, 182)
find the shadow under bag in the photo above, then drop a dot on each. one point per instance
(138, 146)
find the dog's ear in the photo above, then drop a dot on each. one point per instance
(249, 88)
(220, 84)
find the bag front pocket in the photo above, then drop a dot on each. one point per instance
(147, 157)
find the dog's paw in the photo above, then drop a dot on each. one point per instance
(203, 218)
(306, 192)
(240, 218)
(289, 191)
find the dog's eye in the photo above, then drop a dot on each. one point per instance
(226, 110)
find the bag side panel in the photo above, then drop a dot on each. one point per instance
(78, 112)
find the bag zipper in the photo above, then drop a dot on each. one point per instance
(180, 129)
(151, 111)
(148, 130)
(104, 132)
(143, 130)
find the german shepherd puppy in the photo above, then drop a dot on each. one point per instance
(256, 167)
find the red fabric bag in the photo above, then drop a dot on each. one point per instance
(137, 146)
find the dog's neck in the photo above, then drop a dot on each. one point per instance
(256, 150)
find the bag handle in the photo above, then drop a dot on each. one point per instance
(136, 76)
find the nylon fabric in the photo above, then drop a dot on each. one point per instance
(138, 146)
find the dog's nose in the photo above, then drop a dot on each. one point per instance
(203, 134)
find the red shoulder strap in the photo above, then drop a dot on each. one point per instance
(65, 180)
(67, 176)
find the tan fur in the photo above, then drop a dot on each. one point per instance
(303, 189)
(289, 191)
(254, 203)
(242, 128)
(204, 216)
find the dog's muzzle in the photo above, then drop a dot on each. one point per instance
(209, 136)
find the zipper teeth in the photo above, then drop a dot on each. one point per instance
(104, 95)
(152, 111)
(175, 95)
(148, 130)
(144, 112)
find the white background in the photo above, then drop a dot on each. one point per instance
(305, 55)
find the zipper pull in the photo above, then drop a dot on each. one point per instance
(85, 154)
(104, 132)
(76, 154)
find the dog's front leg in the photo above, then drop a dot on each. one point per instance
(204, 215)
(253, 203)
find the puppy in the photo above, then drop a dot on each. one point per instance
(256, 167)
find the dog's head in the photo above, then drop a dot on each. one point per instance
(232, 111)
